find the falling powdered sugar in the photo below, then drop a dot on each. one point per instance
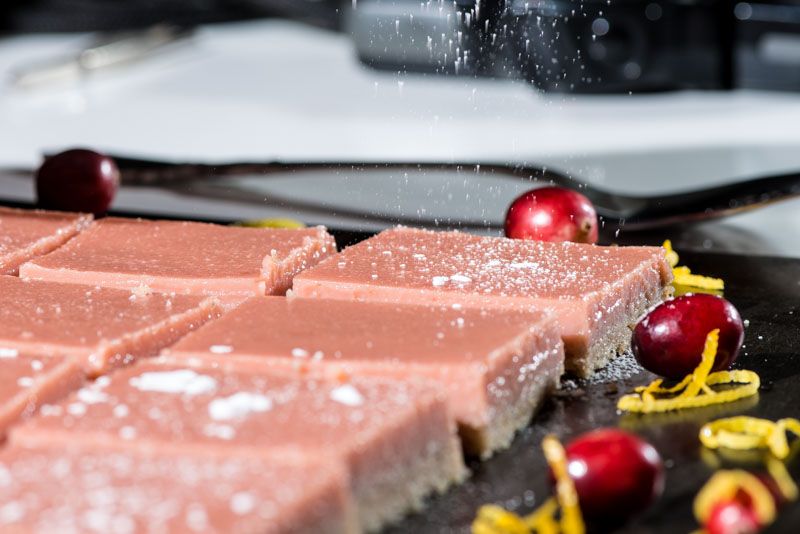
(439, 281)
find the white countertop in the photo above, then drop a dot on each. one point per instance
(277, 90)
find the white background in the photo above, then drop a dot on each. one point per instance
(277, 90)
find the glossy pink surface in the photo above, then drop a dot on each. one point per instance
(101, 327)
(184, 257)
(25, 234)
(589, 288)
(61, 490)
(484, 360)
(28, 382)
(669, 341)
(371, 424)
(552, 214)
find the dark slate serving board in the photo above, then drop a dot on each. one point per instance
(767, 293)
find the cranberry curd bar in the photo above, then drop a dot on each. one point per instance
(99, 327)
(47, 491)
(397, 439)
(495, 367)
(229, 262)
(595, 292)
(25, 234)
(29, 382)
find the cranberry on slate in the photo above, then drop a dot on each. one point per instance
(552, 214)
(732, 517)
(616, 474)
(77, 180)
(669, 341)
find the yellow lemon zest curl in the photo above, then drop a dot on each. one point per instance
(747, 433)
(682, 275)
(271, 223)
(695, 390)
(744, 433)
(725, 485)
(493, 519)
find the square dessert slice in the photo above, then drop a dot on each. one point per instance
(25, 234)
(397, 438)
(28, 382)
(595, 292)
(229, 262)
(495, 367)
(49, 490)
(100, 327)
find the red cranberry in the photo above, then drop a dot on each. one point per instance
(616, 474)
(669, 341)
(552, 214)
(77, 180)
(732, 517)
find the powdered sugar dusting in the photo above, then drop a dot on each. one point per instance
(242, 503)
(460, 262)
(238, 405)
(89, 395)
(620, 368)
(347, 395)
(297, 352)
(439, 281)
(216, 430)
(182, 381)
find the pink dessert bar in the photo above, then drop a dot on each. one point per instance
(29, 382)
(100, 327)
(397, 440)
(48, 491)
(25, 234)
(595, 292)
(184, 257)
(495, 367)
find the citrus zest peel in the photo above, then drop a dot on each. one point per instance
(725, 486)
(743, 433)
(747, 433)
(695, 390)
(571, 518)
(683, 276)
(271, 223)
(777, 470)
(493, 519)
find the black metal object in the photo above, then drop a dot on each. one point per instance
(618, 210)
(593, 46)
(767, 293)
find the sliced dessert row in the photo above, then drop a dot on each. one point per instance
(596, 293)
(395, 440)
(352, 386)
